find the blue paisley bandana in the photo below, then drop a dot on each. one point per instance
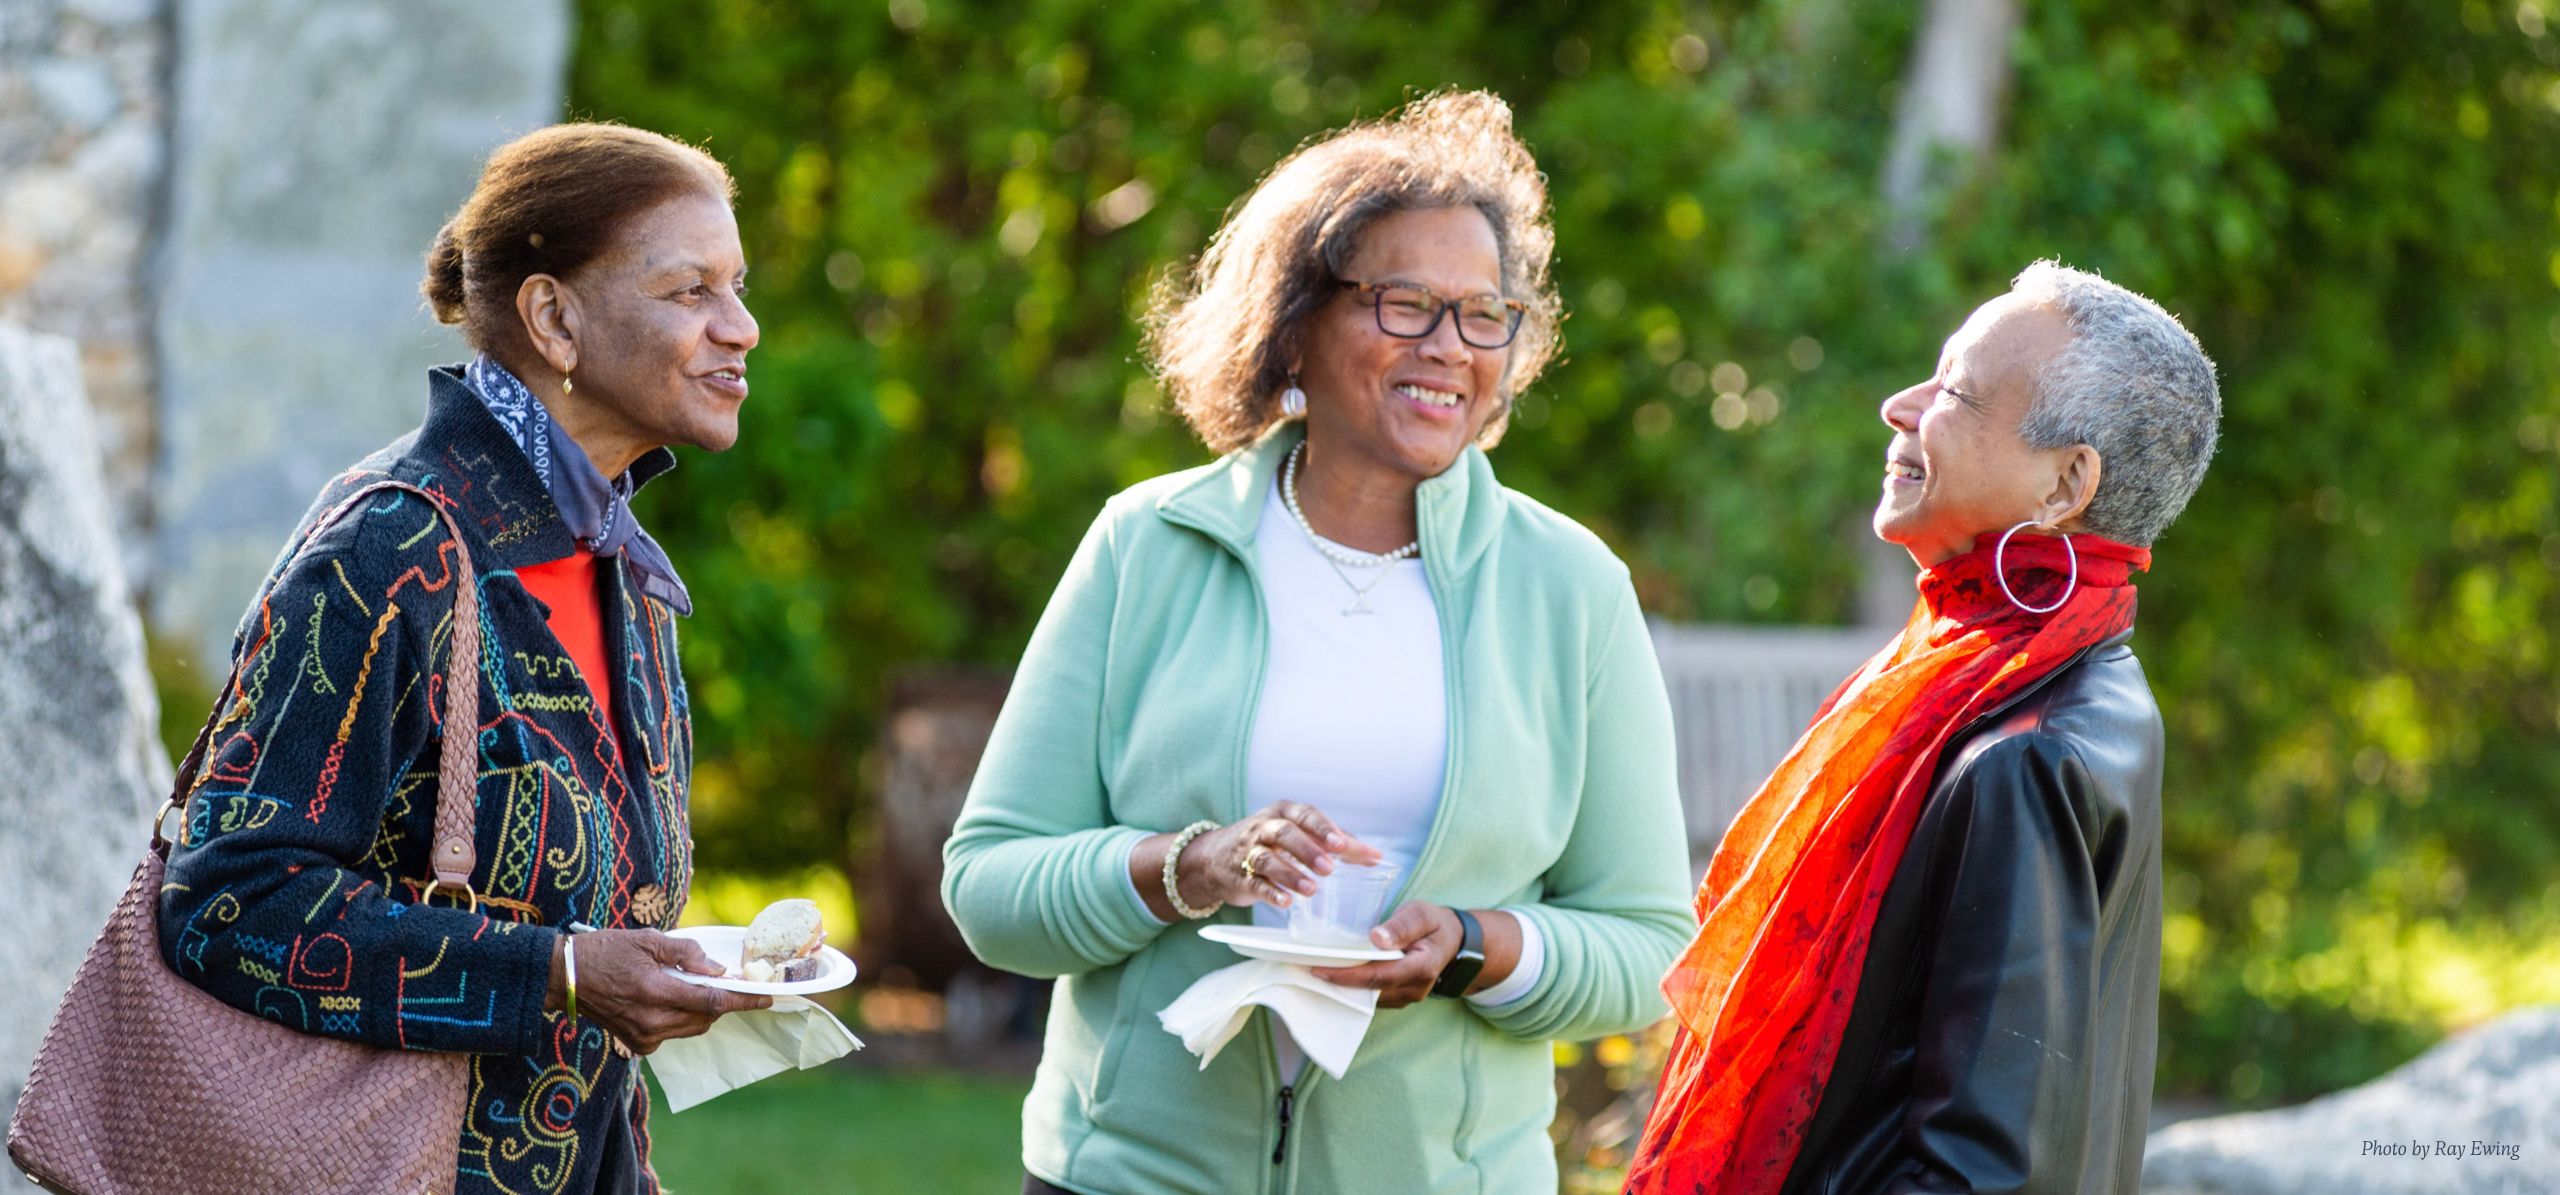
(596, 510)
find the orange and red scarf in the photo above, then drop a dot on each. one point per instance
(1764, 991)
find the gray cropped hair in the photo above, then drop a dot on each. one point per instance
(2133, 384)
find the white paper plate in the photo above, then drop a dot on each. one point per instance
(1274, 943)
(727, 946)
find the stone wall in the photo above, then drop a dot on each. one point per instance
(83, 139)
(317, 147)
(76, 710)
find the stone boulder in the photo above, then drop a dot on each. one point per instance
(2473, 1115)
(77, 712)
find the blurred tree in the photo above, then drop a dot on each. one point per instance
(1951, 107)
(955, 212)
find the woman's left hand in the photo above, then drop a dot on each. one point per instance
(1428, 934)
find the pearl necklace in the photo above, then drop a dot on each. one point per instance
(1337, 553)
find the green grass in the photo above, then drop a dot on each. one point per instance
(848, 1130)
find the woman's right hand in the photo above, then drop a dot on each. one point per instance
(1292, 846)
(623, 985)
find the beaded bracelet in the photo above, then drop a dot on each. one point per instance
(1173, 857)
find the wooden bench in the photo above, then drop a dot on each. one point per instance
(1740, 695)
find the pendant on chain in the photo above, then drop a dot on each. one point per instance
(1333, 553)
(1359, 593)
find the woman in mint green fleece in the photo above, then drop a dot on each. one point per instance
(1343, 641)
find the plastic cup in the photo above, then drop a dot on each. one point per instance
(1347, 905)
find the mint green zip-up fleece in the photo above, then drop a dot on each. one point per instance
(1130, 715)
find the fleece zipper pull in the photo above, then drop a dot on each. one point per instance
(1288, 1096)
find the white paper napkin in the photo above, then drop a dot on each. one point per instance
(743, 1047)
(1328, 1020)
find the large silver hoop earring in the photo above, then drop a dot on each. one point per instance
(1293, 402)
(2000, 569)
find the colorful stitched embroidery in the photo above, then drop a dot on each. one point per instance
(329, 754)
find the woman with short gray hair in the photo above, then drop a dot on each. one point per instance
(1348, 627)
(2135, 387)
(1929, 950)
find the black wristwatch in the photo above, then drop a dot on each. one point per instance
(1465, 965)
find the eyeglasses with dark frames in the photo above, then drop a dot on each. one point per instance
(1486, 321)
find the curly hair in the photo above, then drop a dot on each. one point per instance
(1220, 334)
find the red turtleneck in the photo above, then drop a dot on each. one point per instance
(570, 586)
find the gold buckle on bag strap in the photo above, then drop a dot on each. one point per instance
(470, 899)
(160, 838)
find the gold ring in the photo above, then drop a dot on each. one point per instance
(1253, 859)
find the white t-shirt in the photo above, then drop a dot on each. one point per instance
(1354, 715)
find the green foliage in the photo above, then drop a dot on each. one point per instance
(955, 212)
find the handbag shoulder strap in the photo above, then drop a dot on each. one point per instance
(453, 853)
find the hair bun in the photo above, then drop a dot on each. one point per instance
(444, 286)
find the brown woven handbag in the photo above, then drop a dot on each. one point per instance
(146, 1083)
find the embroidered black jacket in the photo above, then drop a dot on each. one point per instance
(293, 893)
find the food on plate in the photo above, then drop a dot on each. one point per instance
(782, 943)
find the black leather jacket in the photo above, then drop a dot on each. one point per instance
(2008, 1017)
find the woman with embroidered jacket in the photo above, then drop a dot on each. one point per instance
(597, 270)
(1344, 640)
(1930, 950)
